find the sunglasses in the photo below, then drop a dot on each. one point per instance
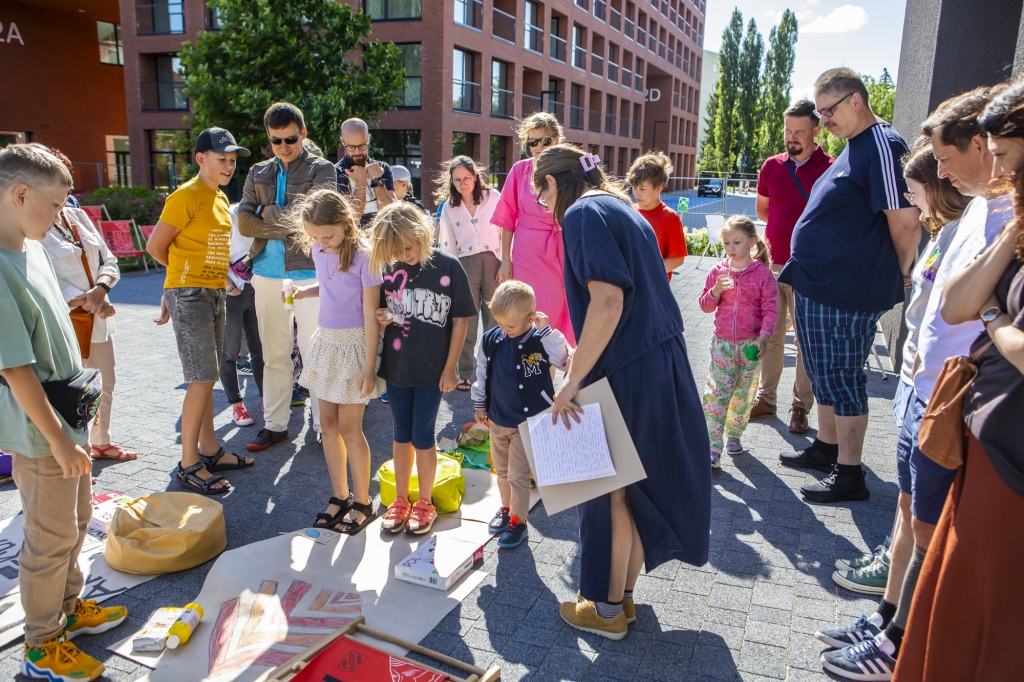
(534, 141)
(283, 140)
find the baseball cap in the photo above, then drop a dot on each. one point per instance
(218, 140)
(401, 173)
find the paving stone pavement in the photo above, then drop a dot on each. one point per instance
(749, 614)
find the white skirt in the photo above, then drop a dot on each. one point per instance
(334, 364)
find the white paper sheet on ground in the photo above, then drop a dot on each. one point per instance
(101, 581)
(562, 455)
(482, 498)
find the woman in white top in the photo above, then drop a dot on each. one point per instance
(73, 232)
(466, 232)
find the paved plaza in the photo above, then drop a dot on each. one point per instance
(749, 614)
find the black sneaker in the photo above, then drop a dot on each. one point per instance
(500, 521)
(864, 661)
(265, 438)
(811, 458)
(849, 635)
(836, 488)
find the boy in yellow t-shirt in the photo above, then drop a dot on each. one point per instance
(192, 239)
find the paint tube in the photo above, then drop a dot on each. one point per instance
(185, 625)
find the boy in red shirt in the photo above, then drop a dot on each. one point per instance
(648, 176)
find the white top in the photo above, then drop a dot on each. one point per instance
(239, 247)
(67, 264)
(937, 340)
(923, 277)
(462, 234)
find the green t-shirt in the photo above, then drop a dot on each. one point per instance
(35, 329)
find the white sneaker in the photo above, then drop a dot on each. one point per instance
(716, 460)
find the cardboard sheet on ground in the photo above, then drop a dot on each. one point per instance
(626, 460)
(101, 581)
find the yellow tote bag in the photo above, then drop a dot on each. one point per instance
(165, 532)
(449, 485)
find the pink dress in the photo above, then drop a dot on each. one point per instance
(538, 255)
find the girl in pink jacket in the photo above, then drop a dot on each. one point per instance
(742, 293)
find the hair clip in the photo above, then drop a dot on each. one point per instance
(589, 161)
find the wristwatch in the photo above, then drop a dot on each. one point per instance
(990, 314)
(378, 182)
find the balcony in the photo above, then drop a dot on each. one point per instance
(534, 41)
(627, 78)
(679, 60)
(672, 16)
(504, 27)
(530, 105)
(558, 49)
(164, 97)
(652, 43)
(594, 122)
(599, 9)
(615, 20)
(160, 19)
(613, 72)
(609, 124)
(465, 96)
(502, 103)
(556, 108)
(576, 117)
(671, 56)
(470, 13)
(629, 29)
(638, 82)
(624, 126)
(579, 57)
(583, 5)
(597, 65)
(636, 129)
(661, 50)
(641, 36)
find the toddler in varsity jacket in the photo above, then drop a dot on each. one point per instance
(513, 382)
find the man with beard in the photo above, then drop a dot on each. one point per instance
(783, 187)
(368, 182)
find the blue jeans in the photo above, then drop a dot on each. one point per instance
(414, 411)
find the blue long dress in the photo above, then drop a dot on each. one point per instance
(646, 364)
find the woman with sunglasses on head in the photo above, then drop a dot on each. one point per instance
(531, 241)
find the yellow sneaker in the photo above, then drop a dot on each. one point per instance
(58, 660)
(91, 619)
(629, 608)
(583, 615)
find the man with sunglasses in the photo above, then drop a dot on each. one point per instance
(852, 247)
(370, 183)
(271, 189)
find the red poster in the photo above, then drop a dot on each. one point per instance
(347, 660)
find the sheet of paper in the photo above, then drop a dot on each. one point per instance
(570, 455)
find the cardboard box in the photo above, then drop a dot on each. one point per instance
(103, 507)
(440, 562)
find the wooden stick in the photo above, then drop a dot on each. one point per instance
(455, 678)
(421, 650)
(293, 666)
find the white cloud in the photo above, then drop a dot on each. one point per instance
(842, 19)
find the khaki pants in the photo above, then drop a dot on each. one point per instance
(513, 469)
(774, 355)
(101, 357)
(275, 323)
(57, 512)
(482, 271)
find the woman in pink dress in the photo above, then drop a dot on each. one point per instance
(530, 238)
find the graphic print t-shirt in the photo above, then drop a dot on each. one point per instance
(428, 296)
(200, 254)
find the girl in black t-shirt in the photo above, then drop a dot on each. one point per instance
(425, 300)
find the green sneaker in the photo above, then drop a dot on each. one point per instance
(862, 561)
(868, 580)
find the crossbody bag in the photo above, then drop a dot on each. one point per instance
(81, 320)
(796, 181)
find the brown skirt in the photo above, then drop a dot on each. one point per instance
(965, 620)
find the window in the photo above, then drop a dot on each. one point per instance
(636, 120)
(409, 92)
(464, 144)
(170, 84)
(387, 10)
(465, 91)
(160, 19)
(576, 107)
(167, 162)
(557, 42)
(401, 147)
(499, 159)
(534, 38)
(111, 48)
(469, 13)
(501, 95)
(579, 47)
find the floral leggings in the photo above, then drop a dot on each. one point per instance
(730, 391)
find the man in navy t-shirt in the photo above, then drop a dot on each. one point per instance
(852, 247)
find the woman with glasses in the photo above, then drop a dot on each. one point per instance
(531, 241)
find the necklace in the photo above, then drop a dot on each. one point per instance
(67, 235)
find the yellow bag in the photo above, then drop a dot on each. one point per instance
(165, 532)
(449, 485)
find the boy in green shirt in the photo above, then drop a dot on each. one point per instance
(50, 467)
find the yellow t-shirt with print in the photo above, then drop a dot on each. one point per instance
(200, 254)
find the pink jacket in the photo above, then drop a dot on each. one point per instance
(749, 308)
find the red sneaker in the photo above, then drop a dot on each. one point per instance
(422, 518)
(240, 416)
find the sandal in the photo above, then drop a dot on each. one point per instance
(464, 385)
(187, 478)
(328, 521)
(115, 452)
(212, 462)
(353, 528)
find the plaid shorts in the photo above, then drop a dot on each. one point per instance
(835, 344)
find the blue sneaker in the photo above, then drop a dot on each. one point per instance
(849, 635)
(864, 661)
(514, 534)
(500, 521)
(245, 368)
(384, 398)
(298, 400)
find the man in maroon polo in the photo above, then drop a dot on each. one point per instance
(783, 187)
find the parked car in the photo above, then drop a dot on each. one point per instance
(712, 187)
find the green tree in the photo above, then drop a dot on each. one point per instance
(724, 135)
(881, 98)
(297, 51)
(775, 88)
(747, 102)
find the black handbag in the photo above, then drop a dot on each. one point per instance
(76, 400)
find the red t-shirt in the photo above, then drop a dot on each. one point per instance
(785, 201)
(669, 230)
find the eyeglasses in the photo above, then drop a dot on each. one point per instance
(909, 196)
(356, 147)
(828, 111)
(283, 140)
(542, 141)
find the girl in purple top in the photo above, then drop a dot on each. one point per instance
(341, 367)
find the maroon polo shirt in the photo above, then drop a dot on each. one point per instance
(785, 201)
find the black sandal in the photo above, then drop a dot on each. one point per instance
(351, 527)
(328, 521)
(212, 462)
(464, 385)
(188, 479)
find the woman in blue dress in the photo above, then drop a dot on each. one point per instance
(630, 331)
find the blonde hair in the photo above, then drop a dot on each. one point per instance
(562, 162)
(654, 167)
(513, 299)
(537, 121)
(323, 208)
(745, 225)
(33, 165)
(395, 226)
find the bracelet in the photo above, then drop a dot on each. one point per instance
(105, 286)
(449, 367)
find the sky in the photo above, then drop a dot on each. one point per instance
(862, 34)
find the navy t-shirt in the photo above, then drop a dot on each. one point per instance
(607, 240)
(842, 255)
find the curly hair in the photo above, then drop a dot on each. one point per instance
(1003, 116)
(654, 167)
(446, 190)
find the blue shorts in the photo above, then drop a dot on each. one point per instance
(414, 411)
(900, 402)
(925, 481)
(835, 344)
